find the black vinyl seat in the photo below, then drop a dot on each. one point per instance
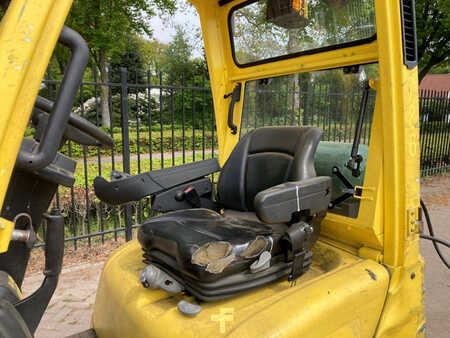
(271, 201)
(264, 158)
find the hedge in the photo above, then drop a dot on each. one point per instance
(77, 150)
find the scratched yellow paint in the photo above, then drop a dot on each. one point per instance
(344, 296)
(28, 34)
(6, 229)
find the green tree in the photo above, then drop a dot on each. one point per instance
(178, 55)
(180, 68)
(153, 52)
(107, 26)
(433, 34)
(130, 57)
(261, 30)
(442, 68)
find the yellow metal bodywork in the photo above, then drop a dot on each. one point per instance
(6, 229)
(340, 296)
(341, 301)
(28, 34)
(383, 229)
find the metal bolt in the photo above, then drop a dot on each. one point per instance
(309, 229)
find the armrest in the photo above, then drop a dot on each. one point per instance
(277, 204)
(126, 188)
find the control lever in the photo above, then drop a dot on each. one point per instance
(190, 195)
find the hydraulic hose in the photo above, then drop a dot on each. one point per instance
(432, 237)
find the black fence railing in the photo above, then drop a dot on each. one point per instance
(434, 132)
(158, 120)
(289, 101)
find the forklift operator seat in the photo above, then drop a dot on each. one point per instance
(272, 204)
(264, 158)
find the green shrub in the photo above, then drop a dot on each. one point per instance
(434, 127)
(77, 150)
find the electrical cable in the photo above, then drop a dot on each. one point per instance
(432, 237)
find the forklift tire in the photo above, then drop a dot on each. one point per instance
(12, 324)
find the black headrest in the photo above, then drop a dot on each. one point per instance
(264, 158)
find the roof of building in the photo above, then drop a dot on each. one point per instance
(438, 82)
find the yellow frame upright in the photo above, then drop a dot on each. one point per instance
(28, 34)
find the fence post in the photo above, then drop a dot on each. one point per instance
(125, 145)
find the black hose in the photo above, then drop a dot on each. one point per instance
(435, 239)
(432, 236)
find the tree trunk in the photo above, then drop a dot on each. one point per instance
(292, 46)
(104, 95)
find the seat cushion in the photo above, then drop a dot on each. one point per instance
(206, 245)
(210, 254)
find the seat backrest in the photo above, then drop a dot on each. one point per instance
(266, 157)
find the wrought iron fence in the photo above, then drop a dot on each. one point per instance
(288, 100)
(158, 121)
(434, 132)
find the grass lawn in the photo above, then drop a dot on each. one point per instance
(106, 168)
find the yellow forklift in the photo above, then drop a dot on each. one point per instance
(295, 239)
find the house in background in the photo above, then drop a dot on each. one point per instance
(436, 82)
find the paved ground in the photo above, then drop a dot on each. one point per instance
(436, 194)
(71, 307)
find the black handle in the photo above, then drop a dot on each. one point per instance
(54, 243)
(235, 97)
(33, 307)
(78, 122)
(49, 144)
